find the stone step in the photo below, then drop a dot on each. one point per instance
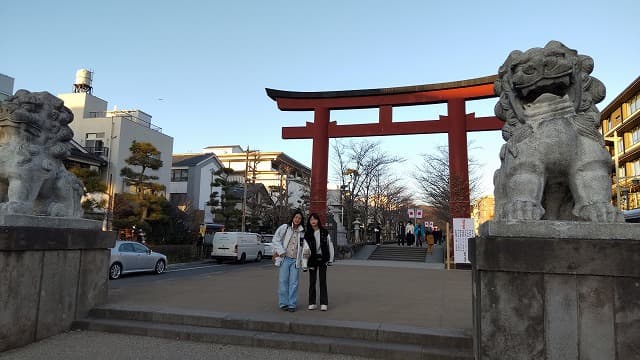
(383, 341)
(395, 253)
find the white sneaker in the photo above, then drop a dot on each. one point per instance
(313, 307)
(323, 308)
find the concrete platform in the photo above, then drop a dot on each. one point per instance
(372, 291)
(377, 309)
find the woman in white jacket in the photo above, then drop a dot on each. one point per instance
(287, 252)
(320, 250)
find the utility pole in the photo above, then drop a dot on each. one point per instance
(244, 194)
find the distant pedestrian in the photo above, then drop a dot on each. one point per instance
(400, 229)
(287, 253)
(418, 231)
(437, 235)
(378, 231)
(319, 243)
(409, 233)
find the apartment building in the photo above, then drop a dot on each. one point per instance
(620, 125)
(286, 179)
(192, 176)
(6, 86)
(109, 133)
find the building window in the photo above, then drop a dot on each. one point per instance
(635, 135)
(609, 125)
(634, 104)
(635, 168)
(622, 172)
(179, 175)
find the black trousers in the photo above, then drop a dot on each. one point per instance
(321, 271)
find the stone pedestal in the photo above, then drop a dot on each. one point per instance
(565, 290)
(50, 275)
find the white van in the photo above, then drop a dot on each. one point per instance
(237, 246)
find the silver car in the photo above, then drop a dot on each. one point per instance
(130, 256)
(268, 245)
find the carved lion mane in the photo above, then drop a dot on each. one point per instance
(554, 164)
(34, 139)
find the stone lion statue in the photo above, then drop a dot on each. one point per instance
(554, 164)
(34, 138)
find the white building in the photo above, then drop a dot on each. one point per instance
(191, 179)
(110, 133)
(279, 173)
(6, 86)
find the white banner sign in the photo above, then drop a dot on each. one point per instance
(412, 213)
(462, 232)
(418, 213)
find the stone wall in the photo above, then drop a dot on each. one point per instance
(567, 290)
(49, 277)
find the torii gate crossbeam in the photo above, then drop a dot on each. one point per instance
(456, 124)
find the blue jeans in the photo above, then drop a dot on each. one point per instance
(288, 284)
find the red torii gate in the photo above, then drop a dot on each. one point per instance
(456, 124)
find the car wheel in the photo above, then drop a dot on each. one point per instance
(160, 267)
(219, 261)
(115, 271)
(243, 258)
(259, 257)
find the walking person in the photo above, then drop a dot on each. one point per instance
(409, 235)
(287, 253)
(400, 231)
(321, 255)
(418, 231)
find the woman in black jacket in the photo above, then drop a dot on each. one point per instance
(320, 255)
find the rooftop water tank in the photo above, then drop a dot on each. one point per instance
(83, 81)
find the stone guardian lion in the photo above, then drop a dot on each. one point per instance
(554, 165)
(34, 139)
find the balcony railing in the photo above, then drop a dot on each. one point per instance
(100, 151)
(135, 119)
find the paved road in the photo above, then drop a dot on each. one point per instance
(186, 270)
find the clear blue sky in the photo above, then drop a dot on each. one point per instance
(209, 61)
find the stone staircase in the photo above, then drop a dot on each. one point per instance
(399, 253)
(373, 340)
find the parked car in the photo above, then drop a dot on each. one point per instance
(237, 246)
(268, 245)
(130, 256)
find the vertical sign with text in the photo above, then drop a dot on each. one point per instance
(463, 230)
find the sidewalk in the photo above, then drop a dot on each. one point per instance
(384, 292)
(359, 290)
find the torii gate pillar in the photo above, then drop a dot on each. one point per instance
(320, 162)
